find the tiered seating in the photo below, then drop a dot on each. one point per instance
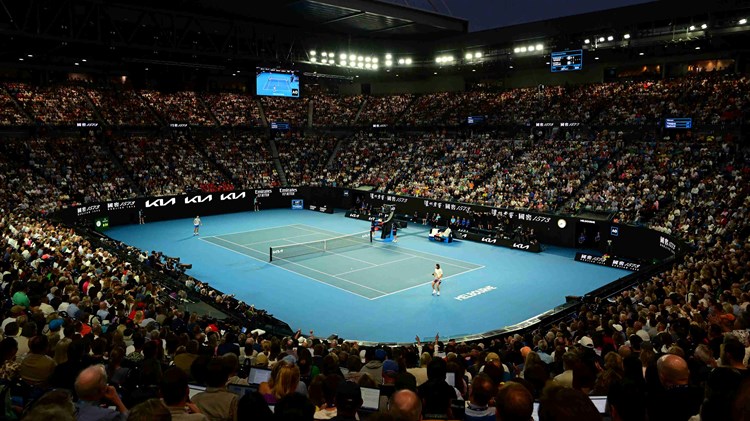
(182, 107)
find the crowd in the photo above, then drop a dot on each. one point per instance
(304, 157)
(286, 110)
(10, 114)
(93, 329)
(386, 109)
(122, 107)
(244, 156)
(179, 107)
(87, 322)
(80, 167)
(234, 109)
(167, 165)
(55, 105)
(709, 98)
(335, 111)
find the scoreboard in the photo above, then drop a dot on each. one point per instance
(566, 61)
(678, 123)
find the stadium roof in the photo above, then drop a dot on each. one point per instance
(358, 18)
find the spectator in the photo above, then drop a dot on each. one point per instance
(150, 410)
(216, 403)
(91, 388)
(482, 391)
(406, 405)
(565, 404)
(37, 368)
(175, 393)
(513, 403)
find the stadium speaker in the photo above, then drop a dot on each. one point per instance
(572, 298)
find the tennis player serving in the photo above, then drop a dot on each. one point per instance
(437, 279)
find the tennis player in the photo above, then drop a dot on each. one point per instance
(196, 225)
(437, 279)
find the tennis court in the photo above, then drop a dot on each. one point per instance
(368, 270)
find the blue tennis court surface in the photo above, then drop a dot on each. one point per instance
(374, 292)
(369, 271)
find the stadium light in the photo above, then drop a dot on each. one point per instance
(531, 48)
(324, 54)
(360, 58)
(342, 56)
(324, 61)
(698, 48)
(408, 61)
(610, 38)
(596, 58)
(626, 36)
(743, 21)
(375, 67)
(388, 63)
(313, 52)
(601, 39)
(374, 59)
(522, 49)
(438, 60)
(368, 60)
(388, 56)
(469, 56)
(342, 63)
(704, 26)
(30, 55)
(692, 27)
(331, 55)
(539, 47)
(401, 61)
(478, 55)
(20, 59)
(517, 50)
(587, 41)
(640, 54)
(368, 66)
(313, 59)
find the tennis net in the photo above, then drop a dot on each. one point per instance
(301, 249)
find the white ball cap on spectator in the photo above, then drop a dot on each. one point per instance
(617, 327)
(643, 335)
(586, 342)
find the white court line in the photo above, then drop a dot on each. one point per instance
(428, 282)
(309, 268)
(288, 270)
(449, 259)
(280, 239)
(258, 230)
(373, 266)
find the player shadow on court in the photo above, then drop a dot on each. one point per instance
(187, 238)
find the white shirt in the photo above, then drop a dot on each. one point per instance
(438, 274)
(196, 221)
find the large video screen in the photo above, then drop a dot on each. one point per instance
(275, 82)
(566, 61)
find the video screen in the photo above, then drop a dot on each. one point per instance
(275, 82)
(566, 61)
